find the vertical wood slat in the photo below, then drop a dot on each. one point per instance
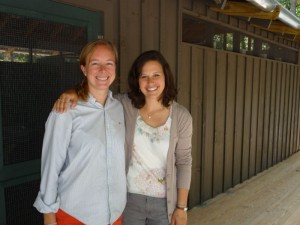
(184, 81)
(298, 111)
(277, 113)
(247, 118)
(285, 114)
(281, 117)
(292, 121)
(209, 117)
(272, 114)
(150, 20)
(130, 37)
(238, 121)
(267, 112)
(254, 117)
(292, 118)
(187, 4)
(260, 116)
(297, 132)
(168, 43)
(289, 116)
(295, 116)
(230, 116)
(297, 99)
(294, 138)
(218, 161)
(196, 111)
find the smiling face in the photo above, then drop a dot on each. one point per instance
(152, 80)
(100, 69)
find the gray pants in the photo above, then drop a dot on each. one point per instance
(144, 210)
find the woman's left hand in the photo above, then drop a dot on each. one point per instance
(179, 217)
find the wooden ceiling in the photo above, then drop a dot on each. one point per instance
(258, 18)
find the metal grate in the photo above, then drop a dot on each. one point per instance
(18, 202)
(40, 60)
(30, 32)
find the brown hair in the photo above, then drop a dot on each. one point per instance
(137, 97)
(82, 89)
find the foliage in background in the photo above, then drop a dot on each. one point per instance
(287, 4)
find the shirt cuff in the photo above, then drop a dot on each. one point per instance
(42, 207)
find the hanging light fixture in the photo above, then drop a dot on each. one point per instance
(285, 15)
(265, 5)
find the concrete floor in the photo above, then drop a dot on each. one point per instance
(270, 198)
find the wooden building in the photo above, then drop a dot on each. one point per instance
(237, 69)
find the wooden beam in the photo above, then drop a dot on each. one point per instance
(215, 3)
(246, 9)
(279, 27)
(297, 38)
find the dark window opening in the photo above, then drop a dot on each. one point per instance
(38, 60)
(200, 32)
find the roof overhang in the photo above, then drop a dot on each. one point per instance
(265, 14)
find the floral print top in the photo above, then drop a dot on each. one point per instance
(147, 170)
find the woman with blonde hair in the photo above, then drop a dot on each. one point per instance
(83, 160)
(158, 144)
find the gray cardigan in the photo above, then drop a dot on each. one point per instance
(179, 159)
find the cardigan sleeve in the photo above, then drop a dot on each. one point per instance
(183, 156)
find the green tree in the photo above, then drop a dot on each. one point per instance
(288, 4)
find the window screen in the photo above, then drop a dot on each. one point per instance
(18, 204)
(201, 32)
(38, 60)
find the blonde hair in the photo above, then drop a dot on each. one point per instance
(82, 89)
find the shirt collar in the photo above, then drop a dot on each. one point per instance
(92, 99)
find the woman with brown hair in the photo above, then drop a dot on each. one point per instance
(158, 144)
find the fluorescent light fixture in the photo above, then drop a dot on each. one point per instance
(265, 5)
(285, 15)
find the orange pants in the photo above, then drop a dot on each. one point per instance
(63, 218)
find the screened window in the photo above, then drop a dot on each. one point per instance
(200, 32)
(38, 60)
(40, 42)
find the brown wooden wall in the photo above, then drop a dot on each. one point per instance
(138, 25)
(146, 25)
(245, 109)
(246, 115)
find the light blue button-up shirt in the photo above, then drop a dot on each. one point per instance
(83, 163)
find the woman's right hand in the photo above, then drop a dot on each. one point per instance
(62, 102)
